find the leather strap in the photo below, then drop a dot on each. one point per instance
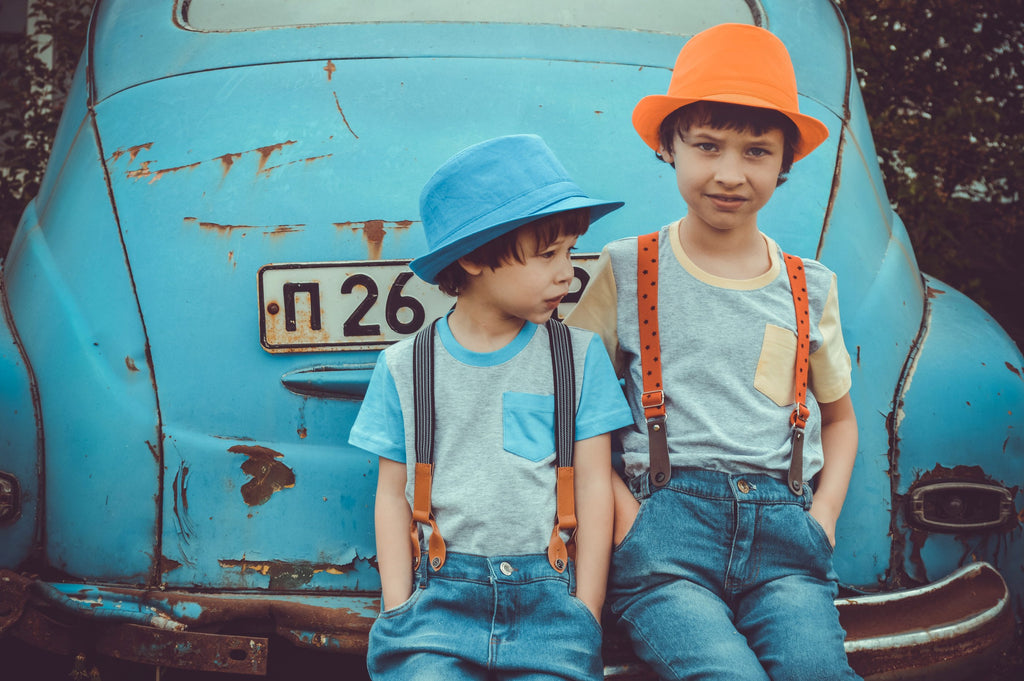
(653, 396)
(798, 419)
(563, 369)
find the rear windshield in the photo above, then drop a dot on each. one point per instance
(676, 17)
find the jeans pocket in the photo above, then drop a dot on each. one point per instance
(580, 605)
(528, 425)
(633, 528)
(818, 531)
(403, 607)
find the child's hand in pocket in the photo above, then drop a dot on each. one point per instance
(626, 508)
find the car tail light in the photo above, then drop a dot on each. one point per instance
(952, 506)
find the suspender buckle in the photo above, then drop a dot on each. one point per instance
(652, 398)
(798, 419)
(796, 461)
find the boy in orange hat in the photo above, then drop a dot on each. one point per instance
(738, 380)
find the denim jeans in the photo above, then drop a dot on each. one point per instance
(506, 617)
(728, 577)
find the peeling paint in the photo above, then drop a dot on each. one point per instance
(330, 69)
(266, 230)
(226, 161)
(1014, 370)
(132, 152)
(130, 363)
(289, 574)
(156, 175)
(268, 475)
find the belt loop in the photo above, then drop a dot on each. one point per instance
(640, 486)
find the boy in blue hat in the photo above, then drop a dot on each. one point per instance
(492, 432)
(734, 364)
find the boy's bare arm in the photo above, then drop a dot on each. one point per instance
(593, 490)
(839, 445)
(392, 516)
(626, 508)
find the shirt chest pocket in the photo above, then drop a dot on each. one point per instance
(528, 425)
(774, 377)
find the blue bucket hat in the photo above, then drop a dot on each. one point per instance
(489, 189)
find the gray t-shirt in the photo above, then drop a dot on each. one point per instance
(493, 491)
(728, 351)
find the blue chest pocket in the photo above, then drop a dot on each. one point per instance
(528, 425)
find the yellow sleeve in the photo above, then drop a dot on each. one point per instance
(596, 311)
(830, 364)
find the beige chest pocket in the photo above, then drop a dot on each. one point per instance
(775, 367)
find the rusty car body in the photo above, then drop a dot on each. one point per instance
(194, 301)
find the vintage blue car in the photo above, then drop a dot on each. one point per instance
(193, 303)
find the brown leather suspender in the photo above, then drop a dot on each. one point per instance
(564, 371)
(653, 396)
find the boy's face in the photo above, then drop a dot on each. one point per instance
(531, 289)
(725, 176)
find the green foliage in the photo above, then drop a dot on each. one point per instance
(943, 83)
(31, 99)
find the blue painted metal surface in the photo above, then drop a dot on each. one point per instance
(164, 448)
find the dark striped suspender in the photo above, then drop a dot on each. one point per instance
(653, 396)
(564, 372)
(423, 411)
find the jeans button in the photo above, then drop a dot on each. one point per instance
(505, 567)
(743, 486)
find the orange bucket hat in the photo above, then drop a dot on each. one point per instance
(734, 64)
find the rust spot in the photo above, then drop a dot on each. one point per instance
(142, 171)
(373, 232)
(268, 475)
(343, 119)
(858, 355)
(933, 292)
(284, 229)
(1013, 369)
(598, 112)
(228, 160)
(131, 151)
(330, 69)
(155, 175)
(289, 574)
(302, 433)
(168, 565)
(270, 169)
(130, 363)
(270, 230)
(265, 152)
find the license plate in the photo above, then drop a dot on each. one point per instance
(362, 305)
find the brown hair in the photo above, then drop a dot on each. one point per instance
(725, 116)
(506, 248)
